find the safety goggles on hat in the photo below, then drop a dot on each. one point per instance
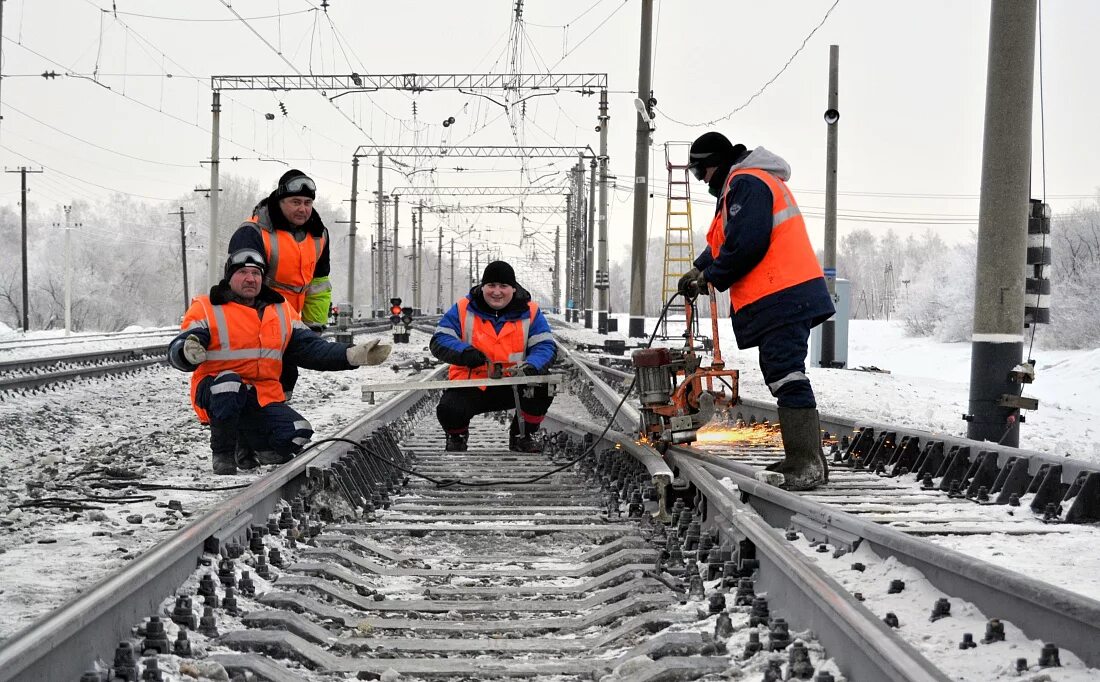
(698, 170)
(298, 184)
(246, 258)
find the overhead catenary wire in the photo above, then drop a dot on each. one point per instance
(763, 87)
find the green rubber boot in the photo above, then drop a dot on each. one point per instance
(803, 466)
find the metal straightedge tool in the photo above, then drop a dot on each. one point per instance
(496, 378)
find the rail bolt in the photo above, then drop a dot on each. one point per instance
(752, 646)
(994, 631)
(968, 641)
(896, 587)
(1048, 658)
(182, 646)
(891, 619)
(942, 609)
(779, 636)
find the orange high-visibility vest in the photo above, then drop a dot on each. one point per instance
(790, 258)
(290, 263)
(242, 342)
(508, 346)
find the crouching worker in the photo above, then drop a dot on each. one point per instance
(235, 342)
(496, 322)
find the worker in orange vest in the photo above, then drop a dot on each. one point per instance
(496, 322)
(760, 252)
(235, 342)
(295, 243)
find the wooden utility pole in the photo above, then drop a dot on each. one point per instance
(183, 256)
(23, 170)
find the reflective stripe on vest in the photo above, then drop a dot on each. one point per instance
(290, 265)
(790, 258)
(243, 343)
(490, 341)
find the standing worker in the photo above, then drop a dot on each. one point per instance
(496, 322)
(760, 251)
(285, 228)
(235, 342)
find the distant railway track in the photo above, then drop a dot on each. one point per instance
(36, 373)
(627, 563)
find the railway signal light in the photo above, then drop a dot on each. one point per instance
(400, 319)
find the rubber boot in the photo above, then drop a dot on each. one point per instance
(525, 443)
(223, 446)
(803, 466)
(456, 442)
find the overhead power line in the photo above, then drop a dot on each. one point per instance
(763, 87)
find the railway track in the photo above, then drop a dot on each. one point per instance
(625, 564)
(36, 373)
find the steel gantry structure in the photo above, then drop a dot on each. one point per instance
(337, 85)
(579, 291)
(431, 191)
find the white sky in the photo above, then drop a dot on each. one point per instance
(912, 82)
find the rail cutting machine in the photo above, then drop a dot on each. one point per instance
(678, 394)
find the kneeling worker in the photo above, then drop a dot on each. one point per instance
(235, 342)
(496, 322)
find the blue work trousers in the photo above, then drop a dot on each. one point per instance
(236, 415)
(783, 363)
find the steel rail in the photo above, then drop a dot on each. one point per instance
(1037, 608)
(37, 380)
(628, 417)
(60, 645)
(90, 356)
(863, 646)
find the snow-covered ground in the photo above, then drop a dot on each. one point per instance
(57, 444)
(144, 424)
(928, 385)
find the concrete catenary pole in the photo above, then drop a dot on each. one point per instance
(641, 179)
(396, 251)
(832, 121)
(213, 276)
(412, 266)
(439, 272)
(351, 234)
(570, 259)
(380, 243)
(22, 170)
(590, 246)
(997, 344)
(69, 271)
(420, 258)
(602, 273)
(452, 270)
(557, 268)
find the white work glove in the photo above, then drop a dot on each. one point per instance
(369, 353)
(193, 350)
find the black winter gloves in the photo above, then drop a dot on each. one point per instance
(472, 357)
(522, 369)
(692, 284)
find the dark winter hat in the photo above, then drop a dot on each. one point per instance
(499, 272)
(244, 258)
(711, 150)
(295, 183)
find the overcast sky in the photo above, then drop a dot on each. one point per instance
(912, 84)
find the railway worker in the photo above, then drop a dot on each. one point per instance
(496, 322)
(295, 242)
(760, 252)
(234, 342)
